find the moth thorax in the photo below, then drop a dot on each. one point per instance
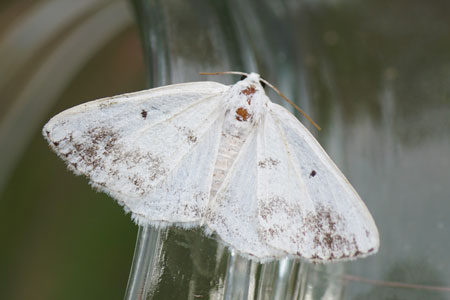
(228, 150)
(242, 113)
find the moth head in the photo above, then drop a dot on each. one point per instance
(253, 78)
(251, 89)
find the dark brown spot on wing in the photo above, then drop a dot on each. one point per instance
(242, 114)
(313, 173)
(144, 114)
(67, 154)
(192, 138)
(249, 92)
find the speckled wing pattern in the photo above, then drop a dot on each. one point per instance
(153, 151)
(306, 205)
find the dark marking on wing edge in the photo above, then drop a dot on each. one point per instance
(144, 114)
(324, 223)
(312, 174)
(99, 148)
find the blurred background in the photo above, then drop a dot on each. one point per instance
(374, 74)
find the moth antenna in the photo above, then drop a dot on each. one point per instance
(225, 72)
(291, 103)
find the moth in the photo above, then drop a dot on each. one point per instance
(222, 157)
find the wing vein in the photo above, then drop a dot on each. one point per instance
(265, 179)
(150, 126)
(290, 159)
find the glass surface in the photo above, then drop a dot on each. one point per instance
(374, 75)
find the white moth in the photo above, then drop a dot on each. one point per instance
(222, 157)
